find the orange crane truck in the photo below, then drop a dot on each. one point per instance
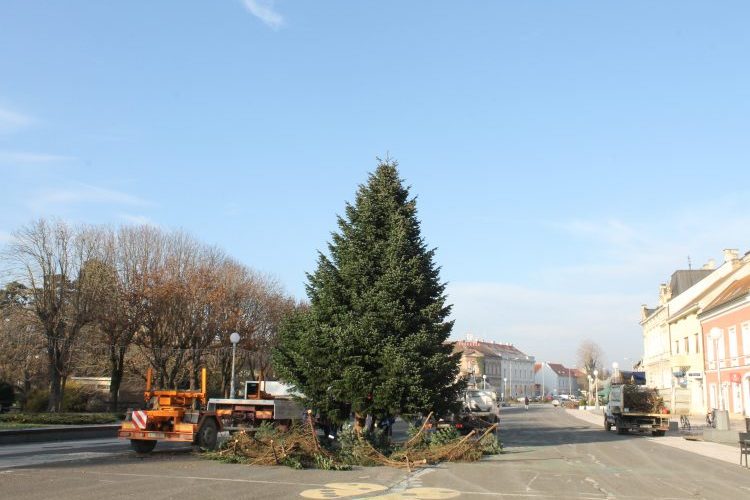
(171, 416)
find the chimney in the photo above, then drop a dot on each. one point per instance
(731, 254)
(710, 265)
(665, 294)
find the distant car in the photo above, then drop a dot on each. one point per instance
(555, 403)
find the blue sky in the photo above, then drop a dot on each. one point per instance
(567, 156)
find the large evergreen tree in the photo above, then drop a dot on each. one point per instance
(373, 340)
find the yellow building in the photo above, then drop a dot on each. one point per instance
(672, 340)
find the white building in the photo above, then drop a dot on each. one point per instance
(501, 366)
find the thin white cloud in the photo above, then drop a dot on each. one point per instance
(26, 158)
(84, 194)
(610, 268)
(138, 220)
(10, 120)
(263, 10)
(547, 324)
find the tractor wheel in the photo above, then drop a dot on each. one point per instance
(208, 435)
(142, 446)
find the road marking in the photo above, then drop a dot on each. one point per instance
(199, 478)
(343, 490)
(528, 485)
(420, 493)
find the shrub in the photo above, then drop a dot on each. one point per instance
(443, 436)
(59, 418)
(7, 394)
(37, 400)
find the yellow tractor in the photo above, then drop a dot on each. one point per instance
(170, 415)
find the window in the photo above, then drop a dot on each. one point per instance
(697, 344)
(677, 347)
(710, 353)
(733, 345)
(746, 339)
(687, 344)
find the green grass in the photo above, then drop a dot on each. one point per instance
(41, 419)
(16, 425)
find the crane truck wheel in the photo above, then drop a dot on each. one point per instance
(208, 435)
(142, 445)
(607, 425)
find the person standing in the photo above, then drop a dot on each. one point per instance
(526, 403)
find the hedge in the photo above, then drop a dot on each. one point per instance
(60, 418)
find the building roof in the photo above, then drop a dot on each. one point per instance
(685, 278)
(469, 347)
(738, 288)
(560, 369)
(709, 290)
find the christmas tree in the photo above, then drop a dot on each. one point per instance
(373, 341)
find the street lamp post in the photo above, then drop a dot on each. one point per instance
(510, 373)
(591, 379)
(233, 338)
(716, 334)
(505, 387)
(484, 381)
(596, 389)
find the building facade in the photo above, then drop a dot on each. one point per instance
(503, 367)
(553, 379)
(673, 357)
(725, 328)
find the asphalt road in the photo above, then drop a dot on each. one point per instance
(548, 454)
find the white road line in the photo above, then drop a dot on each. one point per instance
(200, 478)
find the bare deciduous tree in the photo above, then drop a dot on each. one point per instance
(590, 356)
(52, 258)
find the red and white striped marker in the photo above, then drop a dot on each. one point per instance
(139, 418)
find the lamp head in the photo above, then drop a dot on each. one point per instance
(715, 333)
(234, 337)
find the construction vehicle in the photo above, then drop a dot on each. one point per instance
(635, 407)
(171, 416)
(264, 401)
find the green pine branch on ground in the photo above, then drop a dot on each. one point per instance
(373, 341)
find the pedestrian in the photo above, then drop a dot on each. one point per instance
(526, 403)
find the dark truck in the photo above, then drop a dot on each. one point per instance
(634, 407)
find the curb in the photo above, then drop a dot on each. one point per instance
(43, 434)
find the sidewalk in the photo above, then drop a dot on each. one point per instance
(723, 452)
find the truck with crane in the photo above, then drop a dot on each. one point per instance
(190, 417)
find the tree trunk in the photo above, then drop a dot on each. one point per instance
(114, 386)
(55, 391)
(359, 422)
